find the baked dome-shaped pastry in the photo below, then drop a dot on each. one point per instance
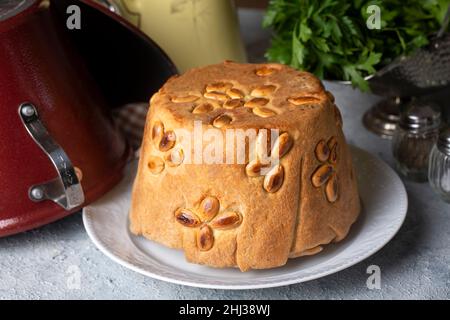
(254, 204)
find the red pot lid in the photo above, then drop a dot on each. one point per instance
(72, 82)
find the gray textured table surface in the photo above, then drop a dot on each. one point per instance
(415, 264)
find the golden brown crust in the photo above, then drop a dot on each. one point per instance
(289, 212)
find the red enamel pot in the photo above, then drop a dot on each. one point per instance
(59, 147)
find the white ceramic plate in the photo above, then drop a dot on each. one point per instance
(384, 208)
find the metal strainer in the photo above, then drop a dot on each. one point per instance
(424, 73)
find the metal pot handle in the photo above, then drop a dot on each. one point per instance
(112, 6)
(66, 189)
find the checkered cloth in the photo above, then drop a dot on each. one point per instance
(131, 120)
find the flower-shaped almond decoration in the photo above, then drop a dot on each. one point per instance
(273, 179)
(325, 174)
(165, 142)
(225, 95)
(206, 218)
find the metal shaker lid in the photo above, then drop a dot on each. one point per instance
(10, 8)
(443, 142)
(421, 115)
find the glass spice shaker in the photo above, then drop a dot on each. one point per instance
(415, 137)
(439, 166)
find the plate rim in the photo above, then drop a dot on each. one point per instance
(87, 222)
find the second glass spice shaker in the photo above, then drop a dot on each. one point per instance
(413, 140)
(439, 166)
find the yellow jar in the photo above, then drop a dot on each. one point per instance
(192, 32)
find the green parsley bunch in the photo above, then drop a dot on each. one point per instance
(330, 38)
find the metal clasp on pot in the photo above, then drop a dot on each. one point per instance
(65, 190)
